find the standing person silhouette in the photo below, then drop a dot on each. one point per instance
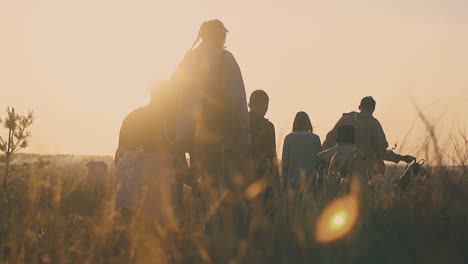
(263, 157)
(263, 173)
(300, 163)
(212, 118)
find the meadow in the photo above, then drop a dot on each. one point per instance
(62, 214)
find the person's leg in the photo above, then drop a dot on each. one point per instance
(236, 164)
(121, 246)
(207, 164)
(182, 172)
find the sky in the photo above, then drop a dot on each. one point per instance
(83, 65)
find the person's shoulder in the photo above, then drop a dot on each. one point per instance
(352, 113)
(137, 111)
(195, 51)
(375, 119)
(366, 116)
(190, 56)
(229, 57)
(262, 121)
(269, 124)
(227, 53)
(315, 137)
(289, 136)
(372, 119)
(134, 114)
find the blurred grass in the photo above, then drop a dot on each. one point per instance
(61, 215)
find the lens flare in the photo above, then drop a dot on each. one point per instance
(337, 219)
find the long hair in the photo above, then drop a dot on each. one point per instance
(302, 123)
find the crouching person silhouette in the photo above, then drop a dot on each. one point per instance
(369, 138)
(342, 160)
(146, 162)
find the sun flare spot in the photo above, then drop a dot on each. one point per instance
(337, 219)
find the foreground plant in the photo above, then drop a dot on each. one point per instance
(17, 126)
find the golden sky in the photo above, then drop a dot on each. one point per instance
(83, 65)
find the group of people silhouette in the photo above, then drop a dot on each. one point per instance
(202, 113)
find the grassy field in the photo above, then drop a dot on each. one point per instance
(61, 215)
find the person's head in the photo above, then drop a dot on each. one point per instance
(367, 105)
(258, 102)
(213, 32)
(302, 123)
(159, 93)
(345, 135)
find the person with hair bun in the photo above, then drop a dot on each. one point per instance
(212, 121)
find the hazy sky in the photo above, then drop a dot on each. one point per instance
(83, 65)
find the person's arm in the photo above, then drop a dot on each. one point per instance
(285, 162)
(182, 73)
(234, 83)
(319, 145)
(379, 140)
(123, 141)
(330, 140)
(395, 158)
(381, 145)
(185, 98)
(319, 170)
(117, 156)
(271, 141)
(276, 181)
(392, 156)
